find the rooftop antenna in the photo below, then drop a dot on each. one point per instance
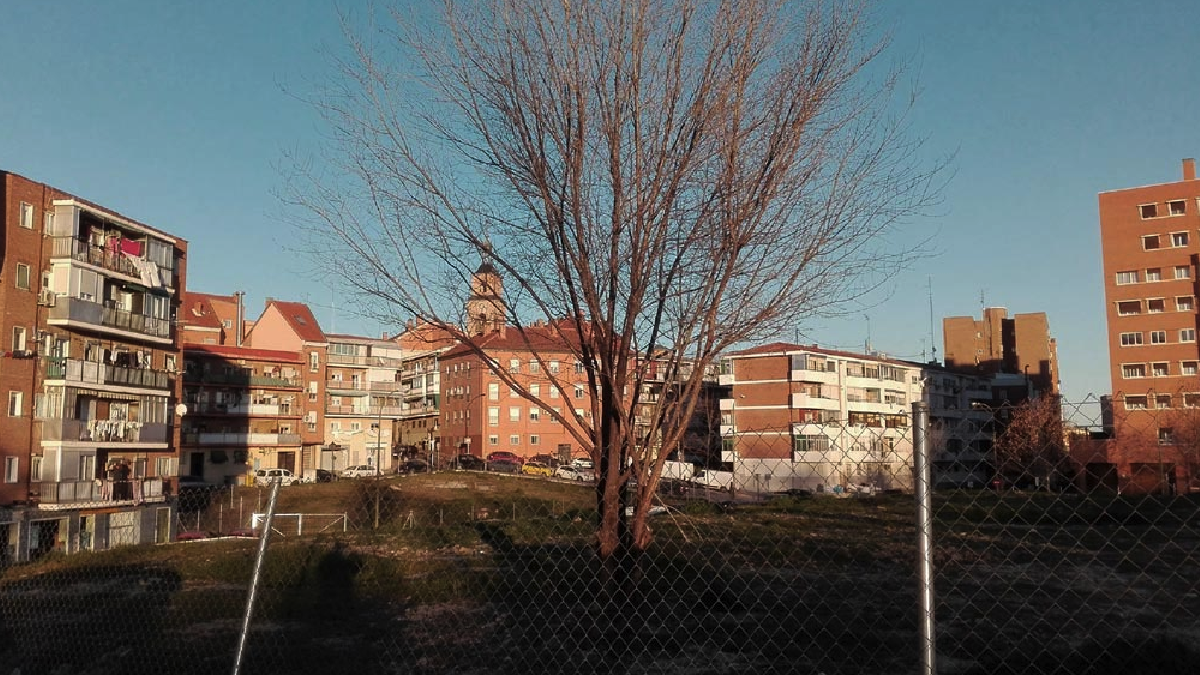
(868, 318)
(932, 343)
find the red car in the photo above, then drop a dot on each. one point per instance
(504, 456)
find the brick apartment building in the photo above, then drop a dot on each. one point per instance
(997, 343)
(364, 403)
(804, 417)
(88, 377)
(1148, 238)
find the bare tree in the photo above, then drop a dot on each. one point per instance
(1033, 442)
(671, 177)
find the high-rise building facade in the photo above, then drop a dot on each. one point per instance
(88, 436)
(1148, 238)
(997, 343)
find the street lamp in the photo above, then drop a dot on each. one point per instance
(433, 446)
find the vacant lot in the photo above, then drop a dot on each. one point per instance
(1041, 584)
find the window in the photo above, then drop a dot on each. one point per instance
(579, 367)
(535, 414)
(312, 390)
(554, 367)
(1154, 274)
(1148, 211)
(48, 223)
(356, 426)
(1127, 307)
(514, 439)
(1156, 305)
(1179, 239)
(27, 215)
(514, 414)
(1177, 207)
(533, 439)
(553, 391)
(1150, 242)
(1187, 368)
(22, 276)
(1131, 339)
(493, 440)
(1183, 272)
(1185, 303)
(1123, 278)
(1133, 370)
(1187, 335)
(535, 390)
(18, 340)
(14, 403)
(1160, 370)
(817, 444)
(12, 469)
(164, 466)
(1135, 402)
(494, 416)
(534, 366)
(1158, 337)
(578, 391)
(514, 365)
(1162, 401)
(1165, 436)
(512, 392)
(35, 469)
(1191, 400)
(493, 391)
(335, 427)
(314, 362)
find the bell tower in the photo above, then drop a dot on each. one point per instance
(485, 306)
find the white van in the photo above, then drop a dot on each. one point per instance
(268, 476)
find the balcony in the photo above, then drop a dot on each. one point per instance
(245, 410)
(807, 401)
(102, 432)
(88, 372)
(360, 360)
(241, 379)
(69, 311)
(109, 259)
(243, 438)
(79, 493)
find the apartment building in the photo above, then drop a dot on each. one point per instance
(997, 343)
(1148, 238)
(88, 436)
(481, 413)
(364, 402)
(291, 327)
(805, 417)
(417, 430)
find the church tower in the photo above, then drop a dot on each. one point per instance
(485, 307)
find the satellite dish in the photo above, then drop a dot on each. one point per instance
(181, 409)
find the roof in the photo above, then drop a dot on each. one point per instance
(777, 347)
(558, 336)
(359, 339)
(229, 351)
(301, 319)
(197, 310)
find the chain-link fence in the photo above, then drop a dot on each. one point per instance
(802, 555)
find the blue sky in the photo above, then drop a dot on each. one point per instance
(178, 114)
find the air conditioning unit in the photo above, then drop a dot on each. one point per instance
(46, 297)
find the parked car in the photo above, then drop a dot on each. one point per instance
(583, 463)
(570, 472)
(267, 476)
(503, 456)
(535, 469)
(470, 463)
(504, 466)
(360, 471)
(412, 466)
(325, 476)
(548, 460)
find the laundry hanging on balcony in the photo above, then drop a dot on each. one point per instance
(147, 270)
(131, 247)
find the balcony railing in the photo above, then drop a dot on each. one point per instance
(360, 360)
(104, 431)
(68, 492)
(86, 311)
(242, 379)
(251, 438)
(251, 409)
(74, 370)
(70, 247)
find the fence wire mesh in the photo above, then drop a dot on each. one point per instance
(798, 557)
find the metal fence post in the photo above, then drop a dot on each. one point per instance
(256, 576)
(924, 497)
